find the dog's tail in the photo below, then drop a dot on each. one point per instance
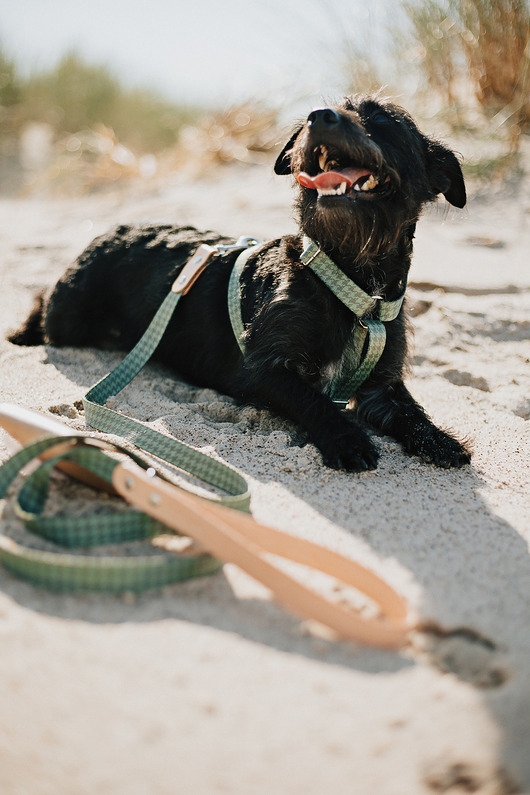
(32, 330)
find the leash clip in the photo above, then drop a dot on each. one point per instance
(201, 259)
(245, 241)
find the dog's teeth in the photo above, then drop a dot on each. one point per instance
(323, 158)
(340, 191)
(356, 187)
(370, 183)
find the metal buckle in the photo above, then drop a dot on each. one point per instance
(201, 259)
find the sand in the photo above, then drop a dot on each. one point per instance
(208, 686)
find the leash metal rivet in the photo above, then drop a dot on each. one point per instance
(129, 482)
(155, 499)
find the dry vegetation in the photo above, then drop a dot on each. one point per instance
(75, 128)
(476, 54)
(245, 133)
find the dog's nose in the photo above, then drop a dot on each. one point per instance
(323, 117)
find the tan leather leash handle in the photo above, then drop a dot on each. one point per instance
(27, 426)
(235, 538)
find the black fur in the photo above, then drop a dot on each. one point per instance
(296, 330)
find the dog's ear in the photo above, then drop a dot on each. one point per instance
(283, 161)
(445, 174)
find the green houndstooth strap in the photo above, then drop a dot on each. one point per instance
(344, 387)
(170, 450)
(138, 356)
(370, 329)
(67, 571)
(71, 571)
(234, 296)
(351, 295)
(359, 302)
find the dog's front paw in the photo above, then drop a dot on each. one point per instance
(353, 451)
(439, 448)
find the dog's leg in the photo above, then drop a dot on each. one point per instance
(340, 439)
(392, 410)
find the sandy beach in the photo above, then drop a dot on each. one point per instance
(208, 686)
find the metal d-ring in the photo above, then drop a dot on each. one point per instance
(245, 241)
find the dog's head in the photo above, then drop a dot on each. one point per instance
(365, 171)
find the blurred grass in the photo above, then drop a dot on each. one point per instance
(75, 95)
(75, 128)
(463, 63)
(475, 55)
(245, 133)
(462, 66)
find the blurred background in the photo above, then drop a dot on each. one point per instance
(100, 94)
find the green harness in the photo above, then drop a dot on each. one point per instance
(371, 312)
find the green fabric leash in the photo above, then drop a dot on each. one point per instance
(170, 450)
(369, 334)
(69, 571)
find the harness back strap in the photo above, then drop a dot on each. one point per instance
(234, 297)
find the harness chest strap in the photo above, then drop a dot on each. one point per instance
(361, 304)
(352, 296)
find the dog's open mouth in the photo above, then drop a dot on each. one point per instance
(335, 179)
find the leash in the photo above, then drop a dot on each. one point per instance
(89, 460)
(369, 335)
(223, 534)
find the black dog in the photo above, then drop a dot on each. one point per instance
(364, 172)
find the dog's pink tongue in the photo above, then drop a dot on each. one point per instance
(332, 179)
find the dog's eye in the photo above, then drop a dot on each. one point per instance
(381, 118)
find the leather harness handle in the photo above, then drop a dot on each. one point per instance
(193, 269)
